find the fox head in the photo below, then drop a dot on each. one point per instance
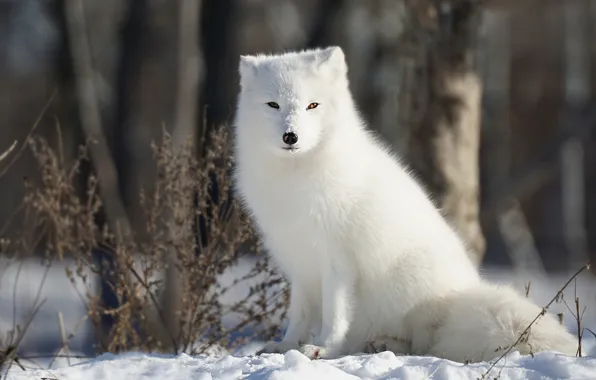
(289, 103)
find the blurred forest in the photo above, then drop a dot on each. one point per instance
(491, 102)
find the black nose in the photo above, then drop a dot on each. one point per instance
(290, 138)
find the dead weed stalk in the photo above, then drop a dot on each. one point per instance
(189, 214)
(524, 335)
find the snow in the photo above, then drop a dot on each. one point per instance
(19, 287)
(28, 282)
(293, 365)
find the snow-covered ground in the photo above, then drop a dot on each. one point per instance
(293, 365)
(19, 292)
(25, 284)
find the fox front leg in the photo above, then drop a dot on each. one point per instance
(337, 295)
(300, 317)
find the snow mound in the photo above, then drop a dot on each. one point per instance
(295, 366)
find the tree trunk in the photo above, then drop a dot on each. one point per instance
(92, 115)
(190, 67)
(219, 41)
(443, 97)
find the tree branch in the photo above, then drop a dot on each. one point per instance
(8, 151)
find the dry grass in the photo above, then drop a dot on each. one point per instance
(61, 223)
(525, 334)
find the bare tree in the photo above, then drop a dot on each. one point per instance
(93, 124)
(442, 95)
(577, 95)
(219, 41)
(190, 67)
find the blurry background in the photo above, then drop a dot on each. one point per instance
(490, 102)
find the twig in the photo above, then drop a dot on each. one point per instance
(580, 333)
(578, 319)
(28, 137)
(10, 354)
(543, 312)
(154, 300)
(63, 337)
(66, 341)
(14, 294)
(528, 289)
(8, 151)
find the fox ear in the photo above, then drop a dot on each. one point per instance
(247, 68)
(332, 62)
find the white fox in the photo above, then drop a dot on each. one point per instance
(368, 255)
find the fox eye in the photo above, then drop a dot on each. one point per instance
(273, 105)
(312, 106)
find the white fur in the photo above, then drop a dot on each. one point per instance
(356, 236)
(479, 323)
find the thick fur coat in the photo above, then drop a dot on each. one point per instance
(368, 255)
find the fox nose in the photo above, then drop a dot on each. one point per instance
(290, 138)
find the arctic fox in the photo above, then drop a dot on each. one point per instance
(367, 254)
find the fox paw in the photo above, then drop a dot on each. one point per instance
(313, 352)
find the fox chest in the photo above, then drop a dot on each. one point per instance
(299, 225)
